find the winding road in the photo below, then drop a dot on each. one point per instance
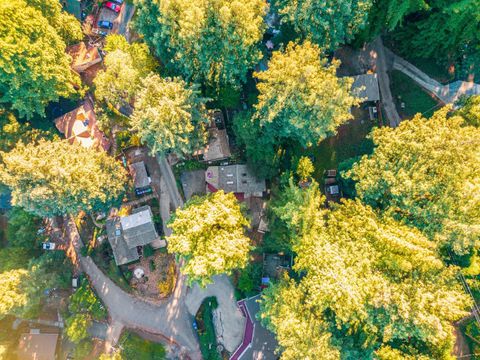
(172, 318)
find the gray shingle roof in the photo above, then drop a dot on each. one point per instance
(121, 252)
(140, 176)
(128, 232)
(234, 178)
(366, 87)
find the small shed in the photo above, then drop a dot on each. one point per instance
(366, 87)
(140, 176)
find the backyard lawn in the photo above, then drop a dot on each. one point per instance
(416, 100)
(350, 141)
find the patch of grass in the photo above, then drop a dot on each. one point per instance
(206, 329)
(350, 141)
(415, 98)
(135, 348)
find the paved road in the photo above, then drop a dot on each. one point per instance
(170, 182)
(172, 318)
(384, 84)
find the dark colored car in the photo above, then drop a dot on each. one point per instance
(104, 24)
(113, 6)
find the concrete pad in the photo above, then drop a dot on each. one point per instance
(229, 321)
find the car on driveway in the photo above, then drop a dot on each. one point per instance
(104, 24)
(48, 246)
(113, 6)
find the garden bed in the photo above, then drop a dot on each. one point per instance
(206, 329)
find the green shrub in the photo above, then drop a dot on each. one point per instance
(152, 265)
(136, 348)
(148, 250)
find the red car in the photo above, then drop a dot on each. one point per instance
(112, 6)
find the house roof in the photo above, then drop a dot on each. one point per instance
(233, 178)
(80, 126)
(83, 57)
(366, 87)
(139, 174)
(37, 346)
(217, 148)
(121, 252)
(138, 228)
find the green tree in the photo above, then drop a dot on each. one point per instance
(144, 62)
(209, 234)
(260, 147)
(170, 116)
(209, 41)
(447, 29)
(301, 98)
(14, 131)
(470, 110)
(365, 281)
(427, 174)
(327, 23)
(305, 168)
(54, 178)
(12, 298)
(34, 68)
(22, 228)
(118, 83)
(66, 25)
(77, 326)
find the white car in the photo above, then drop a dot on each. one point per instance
(48, 246)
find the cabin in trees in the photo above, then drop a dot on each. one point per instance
(80, 126)
(128, 234)
(366, 87)
(237, 179)
(141, 178)
(218, 147)
(38, 346)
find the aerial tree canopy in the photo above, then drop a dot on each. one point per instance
(301, 98)
(470, 110)
(212, 41)
(369, 286)
(54, 178)
(427, 174)
(209, 234)
(66, 25)
(14, 131)
(327, 23)
(119, 82)
(170, 115)
(34, 68)
(22, 228)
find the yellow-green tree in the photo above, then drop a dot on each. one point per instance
(118, 83)
(301, 98)
(209, 234)
(427, 174)
(55, 178)
(470, 110)
(34, 68)
(213, 41)
(305, 168)
(169, 115)
(328, 23)
(12, 298)
(368, 284)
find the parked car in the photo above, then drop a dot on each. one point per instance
(113, 6)
(48, 246)
(104, 24)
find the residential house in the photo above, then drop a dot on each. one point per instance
(234, 178)
(141, 179)
(37, 346)
(129, 233)
(83, 57)
(218, 147)
(366, 87)
(80, 126)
